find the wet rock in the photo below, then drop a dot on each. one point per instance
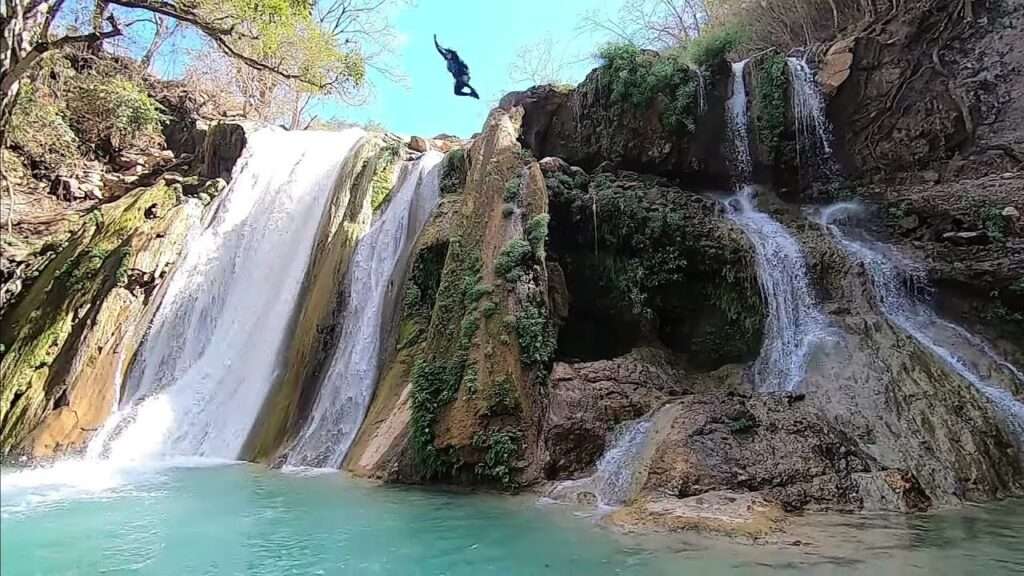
(974, 238)
(223, 147)
(909, 223)
(734, 514)
(587, 400)
(891, 490)
(774, 445)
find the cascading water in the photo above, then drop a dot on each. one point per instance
(702, 94)
(737, 107)
(620, 472)
(813, 133)
(212, 351)
(794, 323)
(348, 386)
(898, 284)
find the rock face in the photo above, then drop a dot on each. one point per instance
(585, 128)
(950, 102)
(71, 335)
(461, 399)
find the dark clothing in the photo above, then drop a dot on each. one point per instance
(458, 69)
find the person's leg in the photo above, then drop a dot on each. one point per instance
(472, 92)
(459, 87)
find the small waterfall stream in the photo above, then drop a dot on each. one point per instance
(620, 472)
(794, 322)
(350, 379)
(212, 351)
(737, 109)
(813, 133)
(898, 284)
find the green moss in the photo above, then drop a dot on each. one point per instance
(771, 103)
(995, 225)
(713, 45)
(436, 379)
(502, 399)
(513, 191)
(454, 170)
(383, 176)
(537, 337)
(488, 309)
(511, 260)
(537, 234)
(502, 448)
(635, 78)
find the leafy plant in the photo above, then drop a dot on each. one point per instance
(636, 78)
(40, 130)
(714, 45)
(537, 233)
(537, 338)
(454, 170)
(771, 102)
(510, 261)
(113, 112)
(502, 448)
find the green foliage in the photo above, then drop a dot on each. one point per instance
(511, 260)
(714, 45)
(478, 291)
(454, 170)
(502, 448)
(537, 338)
(436, 380)
(537, 234)
(771, 102)
(383, 176)
(636, 78)
(39, 129)
(502, 399)
(995, 225)
(113, 112)
(513, 190)
(488, 309)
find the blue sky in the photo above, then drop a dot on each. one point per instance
(487, 35)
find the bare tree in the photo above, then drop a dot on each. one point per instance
(656, 24)
(539, 62)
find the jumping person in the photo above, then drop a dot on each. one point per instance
(458, 69)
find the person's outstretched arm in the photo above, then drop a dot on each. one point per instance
(442, 51)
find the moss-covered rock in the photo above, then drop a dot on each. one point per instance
(660, 265)
(76, 328)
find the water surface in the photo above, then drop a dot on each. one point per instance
(243, 519)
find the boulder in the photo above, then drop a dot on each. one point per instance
(418, 144)
(835, 68)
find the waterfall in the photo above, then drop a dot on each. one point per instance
(620, 472)
(794, 322)
(897, 284)
(212, 351)
(702, 94)
(352, 375)
(737, 107)
(813, 132)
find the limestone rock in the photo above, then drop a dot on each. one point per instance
(587, 400)
(973, 238)
(65, 189)
(418, 144)
(836, 66)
